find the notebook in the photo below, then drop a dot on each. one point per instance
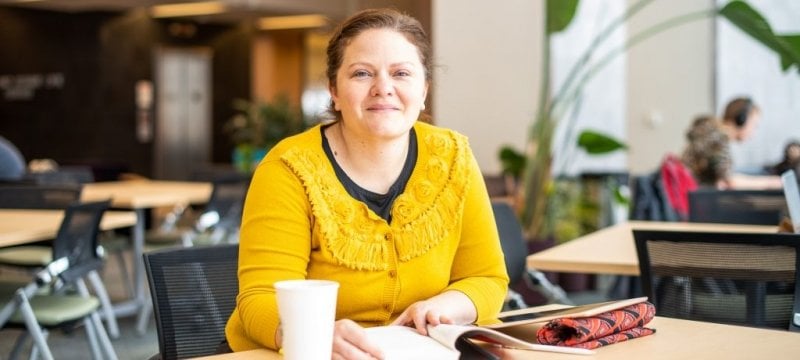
(792, 194)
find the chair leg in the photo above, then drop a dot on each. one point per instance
(91, 336)
(102, 336)
(514, 301)
(39, 340)
(123, 272)
(144, 318)
(553, 292)
(105, 303)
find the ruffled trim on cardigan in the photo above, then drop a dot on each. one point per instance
(423, 215)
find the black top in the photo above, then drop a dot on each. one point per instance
(381, 204)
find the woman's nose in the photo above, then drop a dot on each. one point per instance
(382, 86)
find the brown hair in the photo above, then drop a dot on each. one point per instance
(738, 110)
(375, 19)
(706, 153)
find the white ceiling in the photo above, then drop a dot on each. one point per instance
(332, 8)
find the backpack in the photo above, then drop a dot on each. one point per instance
(663, 195)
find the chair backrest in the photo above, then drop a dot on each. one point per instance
(735, 278)
(512, 240)
(38, 196)
(194, 292)
(227, 200)
(76, 239)
(756, 207)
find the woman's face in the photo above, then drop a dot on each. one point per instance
(380, 87)
(749, 128)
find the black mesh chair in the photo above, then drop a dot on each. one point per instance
(42, 303)
(734, 278)
(217, 223)
(194, 292)
(755, 207)
(515, 252)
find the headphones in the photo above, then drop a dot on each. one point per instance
(741, 116)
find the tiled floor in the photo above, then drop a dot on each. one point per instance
(74, 345)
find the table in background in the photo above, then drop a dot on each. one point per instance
(674, 339)
(140, 195)
(19, 226)
(612, 250)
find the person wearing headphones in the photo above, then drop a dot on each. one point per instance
(740, 119)
(708, 152)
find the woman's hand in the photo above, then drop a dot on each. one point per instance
(450, 307)
(350, 342)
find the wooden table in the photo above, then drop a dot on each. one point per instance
(140, 195)
(612, 250)
(674, 339)
(27, 226)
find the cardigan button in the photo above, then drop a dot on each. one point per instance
(388, 236)
(387, 307)
(392, 273)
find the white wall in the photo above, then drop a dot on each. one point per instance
(748, 68)
(485, 87)
(601, 104)
(670, 81)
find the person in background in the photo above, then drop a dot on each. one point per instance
(791, 160)
(708, 153)
(12, 163)
(740, 119)
(393, 208)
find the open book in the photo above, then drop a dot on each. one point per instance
(402, 342)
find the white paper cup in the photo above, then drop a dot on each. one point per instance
(307, 309)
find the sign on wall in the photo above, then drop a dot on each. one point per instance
(23, 87)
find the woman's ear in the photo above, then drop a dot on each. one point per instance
(334, 97)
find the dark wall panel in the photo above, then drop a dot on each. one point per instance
(83, 109)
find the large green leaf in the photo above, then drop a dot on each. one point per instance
(560, 14)
(793, 44)
(750, 21)
(597, 143)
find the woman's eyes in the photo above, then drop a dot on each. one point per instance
(365, 73)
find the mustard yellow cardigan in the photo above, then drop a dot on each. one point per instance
(299, 222)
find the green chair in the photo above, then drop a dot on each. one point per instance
(38, 256)
(57, 297)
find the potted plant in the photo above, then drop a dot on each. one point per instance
(257, 126)
(535, 191)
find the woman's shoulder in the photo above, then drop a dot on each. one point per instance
(310, 139)
(432, 135)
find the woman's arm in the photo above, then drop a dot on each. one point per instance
(274, 245)
(478, 280)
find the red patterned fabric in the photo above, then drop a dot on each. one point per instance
(596, 331)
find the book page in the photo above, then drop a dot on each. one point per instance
(448, 334)
(538, 315)
(403, 342)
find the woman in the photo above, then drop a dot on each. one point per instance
(708, 152)
(393, 209)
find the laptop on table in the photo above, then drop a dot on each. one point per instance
(792, 194)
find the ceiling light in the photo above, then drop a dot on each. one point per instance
(292, 22)
(187, 9)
